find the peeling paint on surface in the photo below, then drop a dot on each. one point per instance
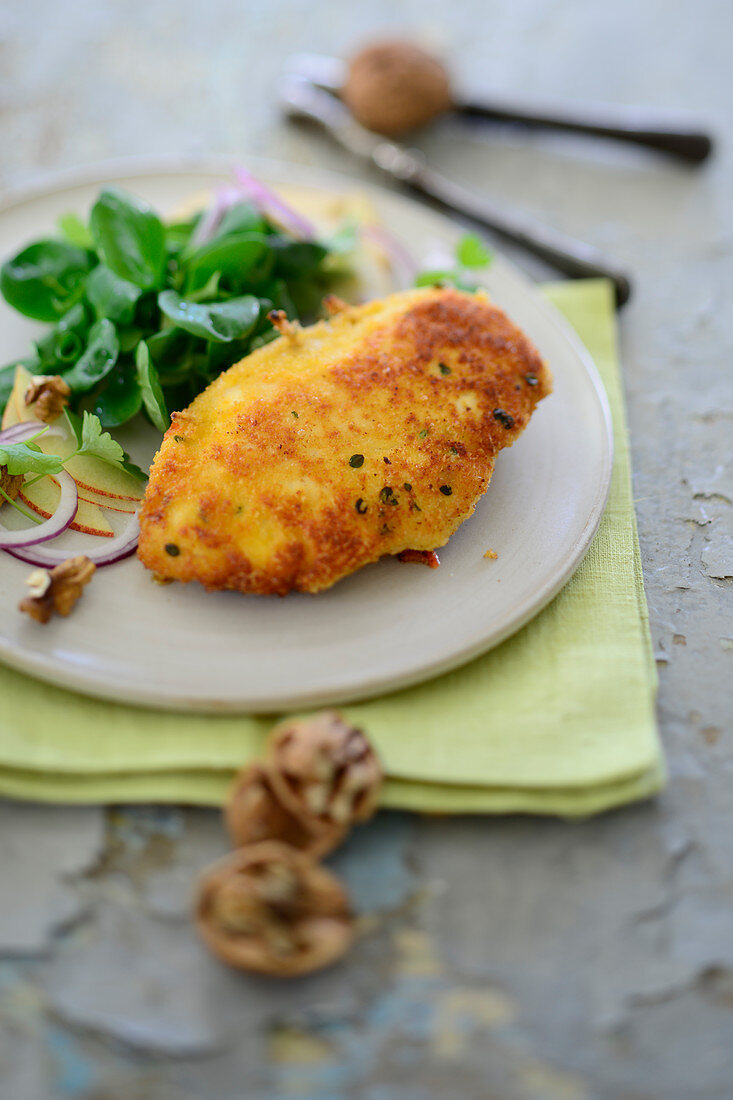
(717, 558)
(462, 1015)
(718, 485)
(373, 865)
(288, 1045)
(42, 851)
(544, 1082)
(143, 983)
(416, 953)
(73, 1076)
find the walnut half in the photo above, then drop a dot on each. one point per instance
(274, 910)
(56, 590)
(10, 483)
(49, 394)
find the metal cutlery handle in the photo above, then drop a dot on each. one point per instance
(669, 132)
(673, 132)
(302, 100)
(572, 257)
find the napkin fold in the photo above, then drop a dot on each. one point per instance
(559, 719)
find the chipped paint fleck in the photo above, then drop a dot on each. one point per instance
(42, 851)
(290, 1046)
(545, 1082)
(461, 1015)
(73, 1074)
(416, 953)
(717, 558)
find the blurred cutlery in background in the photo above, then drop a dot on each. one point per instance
(394, 87)
(301, 99)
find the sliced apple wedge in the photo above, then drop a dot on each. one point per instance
(99, 477)
(91, 474)
(115, 504)
(43, 498)
(10, 412)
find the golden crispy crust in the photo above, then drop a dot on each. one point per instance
(373, 433)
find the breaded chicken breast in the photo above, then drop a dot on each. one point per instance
(368, 434)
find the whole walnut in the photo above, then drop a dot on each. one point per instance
(253, 812)
(324, 772)
(394, 87)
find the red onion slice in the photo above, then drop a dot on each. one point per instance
(224, 199)
(403, 264)
(19, 433)
(114, 550)
(59, 521)
(269, 202)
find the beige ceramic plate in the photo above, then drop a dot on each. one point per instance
(387, 626)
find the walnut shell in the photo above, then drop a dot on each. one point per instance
(253, 813)
(272, 909)
(394, 87)
(324, 771)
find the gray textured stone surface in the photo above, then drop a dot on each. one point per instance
(43, 850)
(517, 959)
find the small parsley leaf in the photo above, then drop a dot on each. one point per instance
(97, 443)
(23, 458)
(472, 252)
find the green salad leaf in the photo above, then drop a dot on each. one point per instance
(75, 231)
(97, 359)
(297, 258)
(141, 314)
(45, 279)
(112, 297)
(130, 238)
(150, 389)
(233, 258)
(119, 398)
(242, 217)
(221, 322)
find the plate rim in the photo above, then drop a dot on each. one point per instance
(125, 168)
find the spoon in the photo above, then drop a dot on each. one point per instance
(394, 87)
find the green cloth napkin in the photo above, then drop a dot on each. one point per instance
(559, 719)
